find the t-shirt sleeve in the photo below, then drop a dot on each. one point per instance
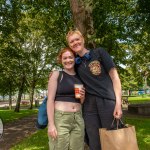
(106, 59)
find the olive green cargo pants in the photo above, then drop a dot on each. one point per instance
(70, 128)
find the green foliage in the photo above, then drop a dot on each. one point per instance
(32, 33)
(122, 27)
(128, 80)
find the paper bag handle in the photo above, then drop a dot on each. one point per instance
(117, 120)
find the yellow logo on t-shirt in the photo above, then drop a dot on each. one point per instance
(95, 67)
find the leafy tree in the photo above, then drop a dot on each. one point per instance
(35, 39)
(32, 32)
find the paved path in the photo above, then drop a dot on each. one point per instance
(6, 104)
(16, 131)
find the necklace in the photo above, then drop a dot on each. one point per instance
(84, 62)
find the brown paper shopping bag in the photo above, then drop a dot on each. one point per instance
(120, 139)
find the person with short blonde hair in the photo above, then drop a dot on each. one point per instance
(71, 32)
(98, 72)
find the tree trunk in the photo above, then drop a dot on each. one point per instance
(17, 108)
(10, 102)
(78, 11)
(10, 96)
(3, 97)
(83, 20)
(32, 94)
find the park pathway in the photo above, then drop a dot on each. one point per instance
(16, 131)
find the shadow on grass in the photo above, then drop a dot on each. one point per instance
(38, 141)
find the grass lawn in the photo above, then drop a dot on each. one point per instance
(139, 99)
(142, 126)
(10, 115)
(39, 140)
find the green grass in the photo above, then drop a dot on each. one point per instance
(139, 99)
(142, 126)
(39, 140)
(10, 115)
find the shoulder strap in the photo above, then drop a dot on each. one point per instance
(60, 77)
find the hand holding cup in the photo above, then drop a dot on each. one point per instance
(79, 92)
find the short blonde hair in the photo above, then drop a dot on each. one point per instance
(59, 57)
(71, 32)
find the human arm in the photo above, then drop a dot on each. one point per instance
(117, 89)
(109, 66)
(52, 87)
(82, 93)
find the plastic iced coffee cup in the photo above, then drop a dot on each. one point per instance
(77, 88)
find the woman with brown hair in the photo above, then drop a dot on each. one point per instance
(65, 122)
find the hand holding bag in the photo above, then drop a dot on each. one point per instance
(123, 137)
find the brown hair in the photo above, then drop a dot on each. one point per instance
(71, 32)
(66, 49)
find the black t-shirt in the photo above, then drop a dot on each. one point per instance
(94, 73)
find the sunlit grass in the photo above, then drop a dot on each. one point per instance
(10, 115)
(38, 141)
(142, 126)
(139, 99)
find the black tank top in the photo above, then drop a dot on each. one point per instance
(65, 88)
